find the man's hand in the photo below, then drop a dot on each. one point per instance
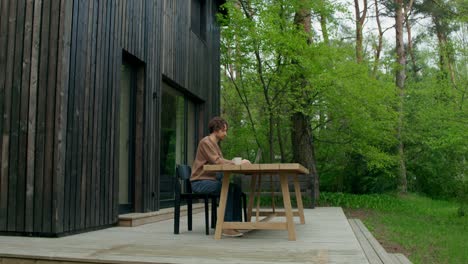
(244, 161)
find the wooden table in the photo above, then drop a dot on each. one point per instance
(257, 171)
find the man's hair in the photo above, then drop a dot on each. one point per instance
(216, 123)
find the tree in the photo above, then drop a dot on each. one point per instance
(442, 15)
(360, 19)
(400, 83)
(292, 84)
(378, 48)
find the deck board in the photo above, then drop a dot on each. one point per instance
(374, 252)
(326, 237)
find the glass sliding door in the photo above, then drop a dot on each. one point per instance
(177, 139)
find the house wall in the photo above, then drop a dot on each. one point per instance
(34, 44)
(60, 64)
(188, 59)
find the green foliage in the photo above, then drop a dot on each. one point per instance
(269, 72)
(437, 142)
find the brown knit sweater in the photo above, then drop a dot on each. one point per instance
(208, 152)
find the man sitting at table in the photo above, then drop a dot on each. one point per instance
(208, 152)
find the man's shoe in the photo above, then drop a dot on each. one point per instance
(232, 233)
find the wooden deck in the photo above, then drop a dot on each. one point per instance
(327, 237)
(374, 252)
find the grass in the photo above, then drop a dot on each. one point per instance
(429, 231)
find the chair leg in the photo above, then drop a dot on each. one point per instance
(207, 221)
(214, 213)
(176, 216)
(244, 205)
(189, 213)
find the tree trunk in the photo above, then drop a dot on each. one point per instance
(280, 140)
(445, 58)
(378, 49)
(323, 23)
(301, 130)
(303, 150)
(359, 26)
(400, 83)
(407, 11)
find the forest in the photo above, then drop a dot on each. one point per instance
(369, 95)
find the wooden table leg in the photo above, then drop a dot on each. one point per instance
(253, 182)
(222, 205)
(287, 207)
(300, 206)
(257, 209)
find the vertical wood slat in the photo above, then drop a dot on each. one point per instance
(5, 75)
(71, 131)
(105, 114)
(124, 24)
(150, 151)
(158, 34)
(50, 126)
(118, 51)
(4, 18)
(80, 87)
(81, 100)
(61, 104)
(94, 112)
(90, 218)
(110, 119)
(85, 178)
(98, 112)
(101, 114)
(117, 71)
(14, 206)
(72, 124)
(145, 150)
(40, 121)
(149, 86)
(24, 215)
(30, 190)
(128, 29)
(111, 135)
(149, 36)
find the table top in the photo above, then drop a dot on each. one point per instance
(259, 168)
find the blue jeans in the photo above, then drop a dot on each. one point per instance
(214, 187)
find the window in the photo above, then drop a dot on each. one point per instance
(178, 139)
(198, 18)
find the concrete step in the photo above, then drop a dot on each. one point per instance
(136, 219)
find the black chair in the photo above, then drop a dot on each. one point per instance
(184, 192)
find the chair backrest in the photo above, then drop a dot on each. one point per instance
(183, 173)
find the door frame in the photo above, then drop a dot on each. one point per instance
(137, 91)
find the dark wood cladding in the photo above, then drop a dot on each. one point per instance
(188, 60)
(60, 67)
(34, 51)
